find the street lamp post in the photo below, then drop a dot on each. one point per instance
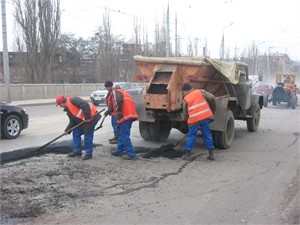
(222, 45)
(5, 54)
(269, 63)
(256, 58)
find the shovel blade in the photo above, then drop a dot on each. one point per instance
(167, 147)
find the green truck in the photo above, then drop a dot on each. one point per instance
(160, 106)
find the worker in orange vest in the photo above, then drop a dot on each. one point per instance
(122, 105)
(199, 114)
(109, 87)
(79, 110)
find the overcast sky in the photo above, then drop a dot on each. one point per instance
(273, 25)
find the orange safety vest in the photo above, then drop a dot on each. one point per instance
(128, 108)
(109, 101)
(198, 108)
(77, 112)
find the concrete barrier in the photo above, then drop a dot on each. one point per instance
(46, 91)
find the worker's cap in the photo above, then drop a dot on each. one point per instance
(59, 100)
(186, 87)
(108, 84)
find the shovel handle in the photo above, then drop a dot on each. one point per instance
(181, 140)
(68, 131)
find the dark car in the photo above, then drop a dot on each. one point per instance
(13, 120)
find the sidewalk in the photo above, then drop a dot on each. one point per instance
(37, 102)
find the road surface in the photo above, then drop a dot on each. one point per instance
(256, 181)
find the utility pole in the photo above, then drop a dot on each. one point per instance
(256, 58)
(222, 43)
(269, 64)
(168, 33)
(222, 46)
(176, 38)
(5, 54)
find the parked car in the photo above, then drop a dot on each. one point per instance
(264, 88)
(98, 97)
(266, 91)
(14, 119)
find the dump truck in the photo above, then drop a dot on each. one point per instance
(285, 90)
(160, 106)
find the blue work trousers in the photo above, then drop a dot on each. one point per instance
(206, 133)
(88, 140)
(124, 142)
(115, 125)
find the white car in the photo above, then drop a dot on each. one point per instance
(99, 97)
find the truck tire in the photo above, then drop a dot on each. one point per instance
(144, 130)
(224, 139)
(294, 101)
(266, 100)
(159, 130)
(253, 122)
(279, 94)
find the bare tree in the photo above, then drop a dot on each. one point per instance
(39, 22)
(69, 55)
(160, 41)
(110, 49)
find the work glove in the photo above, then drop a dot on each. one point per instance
(119, 115)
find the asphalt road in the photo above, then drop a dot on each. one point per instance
(46, 122)
(256, 181)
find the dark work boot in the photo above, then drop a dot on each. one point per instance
(129, 158)
(187, 156)
(211, 155)
(113, 141)
(116, 153)
(87, 157)
(112, 138)
(73, 154)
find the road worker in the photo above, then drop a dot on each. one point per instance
(122, 105)
(79, 110)
(199, 113)
(109, 87)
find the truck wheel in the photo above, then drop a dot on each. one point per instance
(159, 130)
(294, 101)
(266, 97)
(216, 137)
(144, 130)
(224, 139)
(253, 122)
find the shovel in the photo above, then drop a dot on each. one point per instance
(100, 126)
(68, 131)
(164, 149)
(171, 146)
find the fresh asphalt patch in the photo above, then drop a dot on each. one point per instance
(65, 147)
